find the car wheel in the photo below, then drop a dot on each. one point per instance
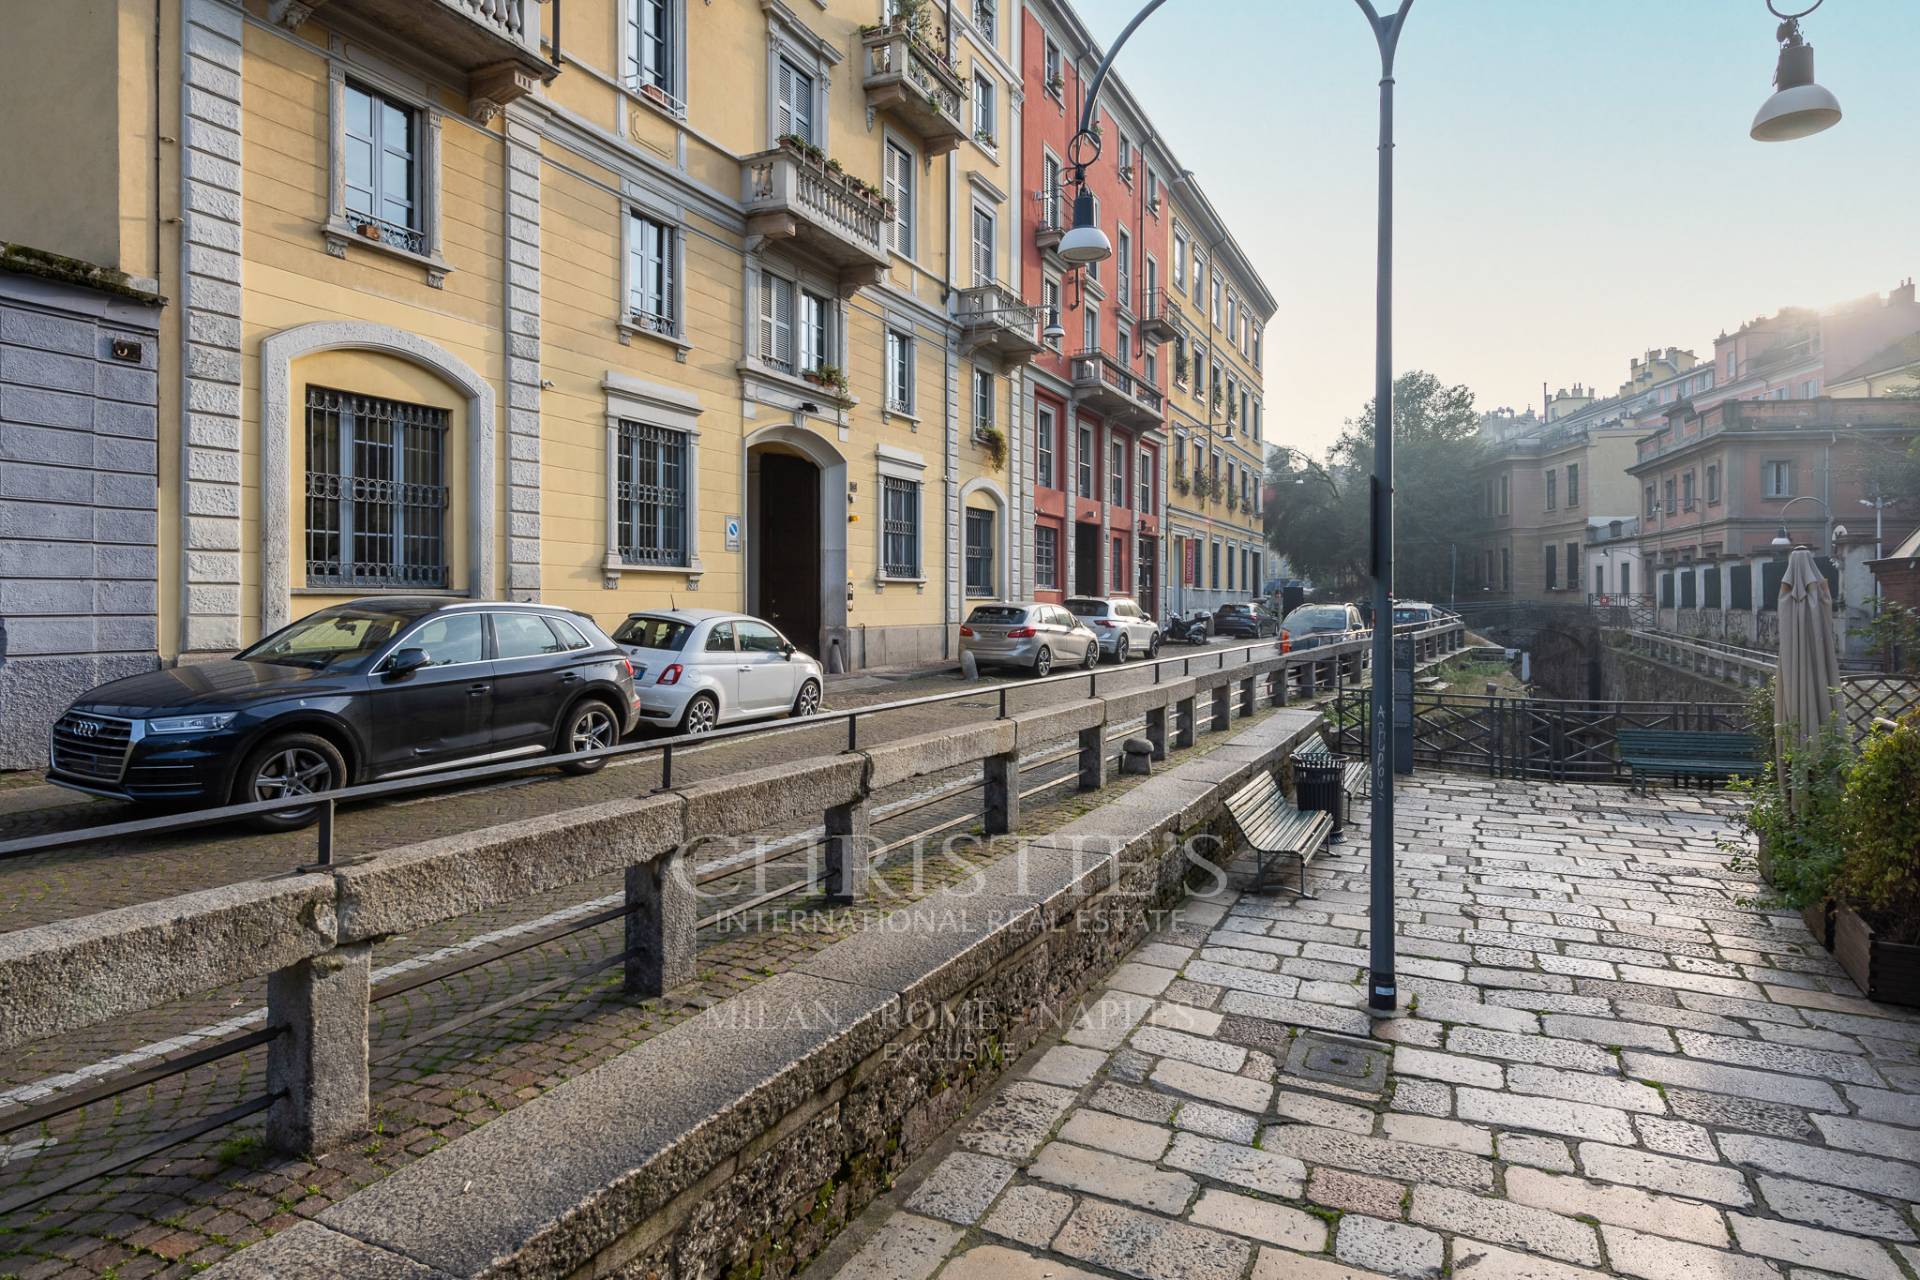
(1120, 649)
(1043, 661)
(808, 700)
(1093, 656)
(590, 726)
(289, 764)
(1153, 648)
(701, 715)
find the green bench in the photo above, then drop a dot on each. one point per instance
(1273, 828)
(1682, 753)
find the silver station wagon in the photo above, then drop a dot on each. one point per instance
(1028, 634)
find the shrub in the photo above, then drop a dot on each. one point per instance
(1880, 817)
(1805, 843)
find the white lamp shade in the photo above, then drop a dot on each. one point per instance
(1085, 244)
(1796, 113)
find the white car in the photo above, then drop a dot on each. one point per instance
(1124, 629)
(695, 669)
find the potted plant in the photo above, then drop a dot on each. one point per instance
(984, 137)
(1056, 84)
(829, 376)
(1797, 828)
(654, 93)
(994, 441)
(1877, 925)
(369, 229)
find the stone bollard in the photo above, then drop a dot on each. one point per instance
(662, 911)
(318, 1063)
(1185, 711)
(1093, 758)
(1002, 776)
(1157, 732)
(1136, 756)
(849, 833)
(969, 666)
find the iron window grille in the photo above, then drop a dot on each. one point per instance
(376, 492)
(979, 553)
(650, 495)
(1046, 557)
(382, 163)
(900, 556)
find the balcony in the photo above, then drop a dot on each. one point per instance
(1109, 388)
(495, 42)
(915, 82)
(1161, 319)
(1050, 220)
(993, 318)
(826, 214)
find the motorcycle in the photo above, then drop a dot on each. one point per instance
(1182, 629)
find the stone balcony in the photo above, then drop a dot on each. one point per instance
(495, 42)
(1161, 317)
(915, 82)
(993, 318)
(822, 213)
(1109, 388)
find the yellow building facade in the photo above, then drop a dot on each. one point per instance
(656, 302)
(1218, 309)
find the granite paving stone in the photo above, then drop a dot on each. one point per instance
(1209, 1085)
(1506, 1222)
(1149, 1247)
(1261, 1220)
(1833, 1207)
(1551, 1115)
(1394, 1248)
(1622, 1206)
(961, 1187)
(1794, 1242)
(1029, 1214)
(1116, 1134)
(1691, 1178)
(1101, 1173)
(1217, 1122)
(1249, 1167)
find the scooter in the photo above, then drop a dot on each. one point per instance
(1187, 630)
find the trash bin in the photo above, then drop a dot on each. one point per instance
(1316, 785)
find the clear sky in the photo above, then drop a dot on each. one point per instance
(1574, 180)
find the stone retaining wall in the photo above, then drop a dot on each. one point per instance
(738, 1143)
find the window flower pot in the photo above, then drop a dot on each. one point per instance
(1888, 972)
(369, 230)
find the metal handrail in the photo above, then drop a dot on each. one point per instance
(666, 747)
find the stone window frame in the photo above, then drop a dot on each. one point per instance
(335, 229)
(910, 205)
(789, 38)
(649, 202)
(638, 400)
(892, 463)
(676, 106)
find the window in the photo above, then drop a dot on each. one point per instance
(1686, 491)
(1117, 473)
(1626, 577)
(720, 639)
(1506, 569)
(1179, 261)
(382, 167)
(899, 372)
(1049, 193)
(776, 321)
(1650, 500)
(979, 553)
(650, 270)
(1123, 344)
(1506, 493)
(1150, 366)
(1126, 159)
(1667, 490)
(1046, 557)
(1052, 64)
(758, 637)
(1777, 477)
(1146, 471)
(1050, 300)
(1089, 327)
(982, 399)
(1083, 459)
(1199, 276)
(1730, 364)
(1232, 555)
(901, 524)
(1573, 484)
(650, 494)
(1043, 429)
(983, 243)
(376, 492)
(451, 639)
(1152, 284)
(1232, 482)
(1216, 302)
(984, 128)
(816, 330)
(523, 635)
(1552, 476)
(1123, 267)
(986, 16)
(1713, 484)
(899, 189)
(1117, 575)
(793, 113)
(649, 45)
(1214, 564)
(1810, 388)
(1573, 566)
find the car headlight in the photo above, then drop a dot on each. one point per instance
(192, 724)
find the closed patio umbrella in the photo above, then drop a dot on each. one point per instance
(1809, 670)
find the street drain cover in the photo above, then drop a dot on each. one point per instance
(1351, 1064)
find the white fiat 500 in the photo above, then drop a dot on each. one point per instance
(696, 669)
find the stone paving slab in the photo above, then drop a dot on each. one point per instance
(1615, 1066)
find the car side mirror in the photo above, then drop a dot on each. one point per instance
(405, 661)
(787, 651)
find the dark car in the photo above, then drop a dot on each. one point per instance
(1246, 619)
(372, 689)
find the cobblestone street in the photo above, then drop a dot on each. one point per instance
(1608, 1065)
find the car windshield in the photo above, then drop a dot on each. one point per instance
(1088, 608)
(654, 633)
(342, 638)
(995, 615)
(1317, 617)
(1236, 608)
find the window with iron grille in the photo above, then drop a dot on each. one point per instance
(650, 250)
(900, 556)
(979, 553)
(382, 167)
(650, 494)
(376, 492)
(1046, 557)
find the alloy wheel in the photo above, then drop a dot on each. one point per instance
(593, 729)
(297, 771)
(1043, 661)
(809, 700)
(701, 716)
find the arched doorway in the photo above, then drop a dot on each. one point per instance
(796, 539)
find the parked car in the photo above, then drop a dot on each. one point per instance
(1313, 625)
(1187, 628)
(357, 692)
(1123, 627)
(1027, 634)
(1417, 611)
(696, 669)
(1247, 619)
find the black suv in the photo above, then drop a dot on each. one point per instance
(373, 689)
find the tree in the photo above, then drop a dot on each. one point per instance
(1319, 520)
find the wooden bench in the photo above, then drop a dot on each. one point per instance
(1353, 782)
(1273, 828)
(1679, 753)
